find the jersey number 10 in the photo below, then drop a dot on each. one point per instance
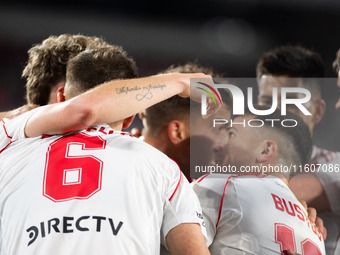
(284, 236)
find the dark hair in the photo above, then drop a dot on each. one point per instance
(47, 62)
(298, 136)
(159, 115)
(293, 61)
(93, 67)
(192, 67)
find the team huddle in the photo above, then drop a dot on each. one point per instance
(72, 182)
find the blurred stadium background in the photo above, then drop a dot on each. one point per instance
(229, 35)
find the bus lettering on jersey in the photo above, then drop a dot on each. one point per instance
(69, 225)
(294, 210)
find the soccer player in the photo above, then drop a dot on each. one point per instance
(257, 213)
(295, 66)
(96, 191)
(45, 70)
(167, 124)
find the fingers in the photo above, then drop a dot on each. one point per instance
(304, 204)
(321, 228)
(311, 214)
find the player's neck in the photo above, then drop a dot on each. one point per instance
(156, 142)
(116, 126)
(281, 176)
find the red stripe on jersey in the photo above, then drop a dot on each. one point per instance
(225, 187)
(180, 178)
(220, 210)
(10, 137)
(6, 146)
(201, 178)
(324, 155)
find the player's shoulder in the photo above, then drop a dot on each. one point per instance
(143, 148)
(211, 183)
(125, 142)
(249, 182)
(221, 182)
(223, 179)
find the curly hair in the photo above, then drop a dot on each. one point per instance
(47, 62)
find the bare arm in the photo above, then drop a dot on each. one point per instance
(307, 187)
(3, 115)
(110, 102)
(16, 112)
(186, 239)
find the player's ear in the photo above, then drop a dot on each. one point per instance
(320, 108)
(177, 131)
(60, 94)
(266, 151)
(127, 122)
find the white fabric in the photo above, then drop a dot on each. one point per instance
(241, 214)
(142, 195)
(13, 129)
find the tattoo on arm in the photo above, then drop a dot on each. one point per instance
(140, 97)
(145, 91)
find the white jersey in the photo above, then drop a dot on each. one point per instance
(98, 191)
(13, 129)
(248, 214)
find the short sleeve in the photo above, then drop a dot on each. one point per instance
(228, 238)
(221, 209)
(181, 203)
(14, 129)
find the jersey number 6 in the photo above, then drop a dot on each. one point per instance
(71, 172)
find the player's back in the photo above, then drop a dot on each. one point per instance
(255, 215)
(94, 192)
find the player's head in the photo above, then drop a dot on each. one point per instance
(167, 124)
(271, 143)
(336, 65)
(46, 67)
(292, 66)
(94, 67)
